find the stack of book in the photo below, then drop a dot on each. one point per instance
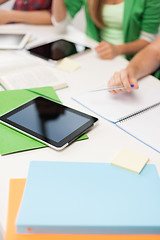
(71, 200)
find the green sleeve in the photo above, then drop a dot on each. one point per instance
(157, 74)
(151, 16)
(74, 6)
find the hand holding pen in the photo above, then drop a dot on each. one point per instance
(122, 81)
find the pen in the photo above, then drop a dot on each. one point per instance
(110, 88)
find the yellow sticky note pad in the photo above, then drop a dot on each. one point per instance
(130, 160)
(68, 65)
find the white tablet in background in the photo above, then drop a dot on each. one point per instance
(13, 40)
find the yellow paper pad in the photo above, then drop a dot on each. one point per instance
(68, 65)
(130, 160)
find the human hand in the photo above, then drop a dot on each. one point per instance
(106, 50)
(123, 78)
(4, 16)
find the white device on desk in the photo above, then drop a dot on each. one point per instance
(50, 122)
(13, 40)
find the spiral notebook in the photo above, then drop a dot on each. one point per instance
(137, 112)
(145, 127)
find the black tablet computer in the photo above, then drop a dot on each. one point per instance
(58, 50)
(50, 122)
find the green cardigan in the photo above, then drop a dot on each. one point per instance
(139, 15)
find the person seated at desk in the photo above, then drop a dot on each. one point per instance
(147, 61)
(27, 11)
(123, 27)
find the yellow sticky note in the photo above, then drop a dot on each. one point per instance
(68, 65)
(130, 160)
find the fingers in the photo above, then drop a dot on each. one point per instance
(115, 81)
(122, 78)
(125, 80)
(102, 44)
(105, 50)
(133, 80)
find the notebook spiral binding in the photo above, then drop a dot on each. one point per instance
(137, 113)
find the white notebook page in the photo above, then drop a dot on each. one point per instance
(115, 107)
(145, 127)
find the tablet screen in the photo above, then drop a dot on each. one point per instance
(49, 121)
(12, 40)
(58, 49)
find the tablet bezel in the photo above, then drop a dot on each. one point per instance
(22, 43)
(31, 50)
(55, 145)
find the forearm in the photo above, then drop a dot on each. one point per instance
(59, 10)
(31, 17)
(145, 62)
(3, 1)
(132, 47)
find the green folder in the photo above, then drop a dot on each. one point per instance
(12, 141)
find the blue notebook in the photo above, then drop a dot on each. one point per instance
(89, 198)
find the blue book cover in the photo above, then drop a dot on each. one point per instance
(89, 198)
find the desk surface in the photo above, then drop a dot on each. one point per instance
(105, 140)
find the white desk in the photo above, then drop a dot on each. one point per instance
(105, 140)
